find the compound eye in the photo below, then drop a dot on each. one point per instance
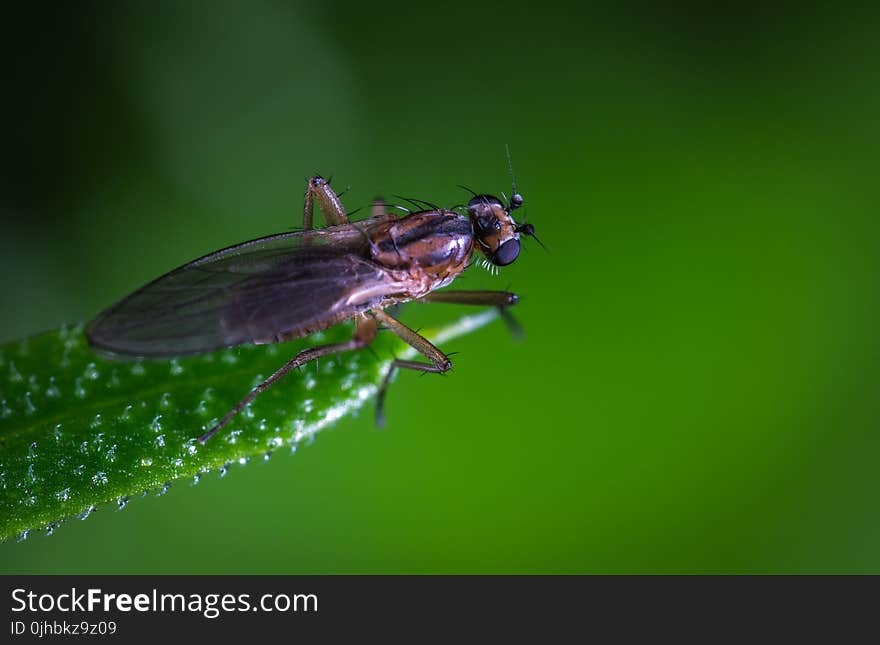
(506, 253)
(484, 201)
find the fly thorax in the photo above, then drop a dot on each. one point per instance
(438, 242)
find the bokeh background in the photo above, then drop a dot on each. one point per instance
(698, 388)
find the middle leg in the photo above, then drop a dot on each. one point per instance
(439, 361)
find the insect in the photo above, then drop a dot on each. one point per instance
(290, 285)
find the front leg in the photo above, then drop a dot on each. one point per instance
(483, 298)
(501, 299)
(318, 189)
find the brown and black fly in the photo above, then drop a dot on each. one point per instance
(290, 285)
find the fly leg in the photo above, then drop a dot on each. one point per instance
(439, 361)
(501, 299)
(483, 298)
(318, 189)
(364, 333)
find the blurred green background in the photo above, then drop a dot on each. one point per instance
(698, 389)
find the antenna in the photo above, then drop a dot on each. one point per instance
(510, 167)
(516, 199)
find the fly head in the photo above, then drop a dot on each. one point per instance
(496, 231)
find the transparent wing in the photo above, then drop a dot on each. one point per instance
(285, 285)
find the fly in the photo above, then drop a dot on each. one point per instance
(290, 285)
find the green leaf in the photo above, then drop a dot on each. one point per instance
(78, 430)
